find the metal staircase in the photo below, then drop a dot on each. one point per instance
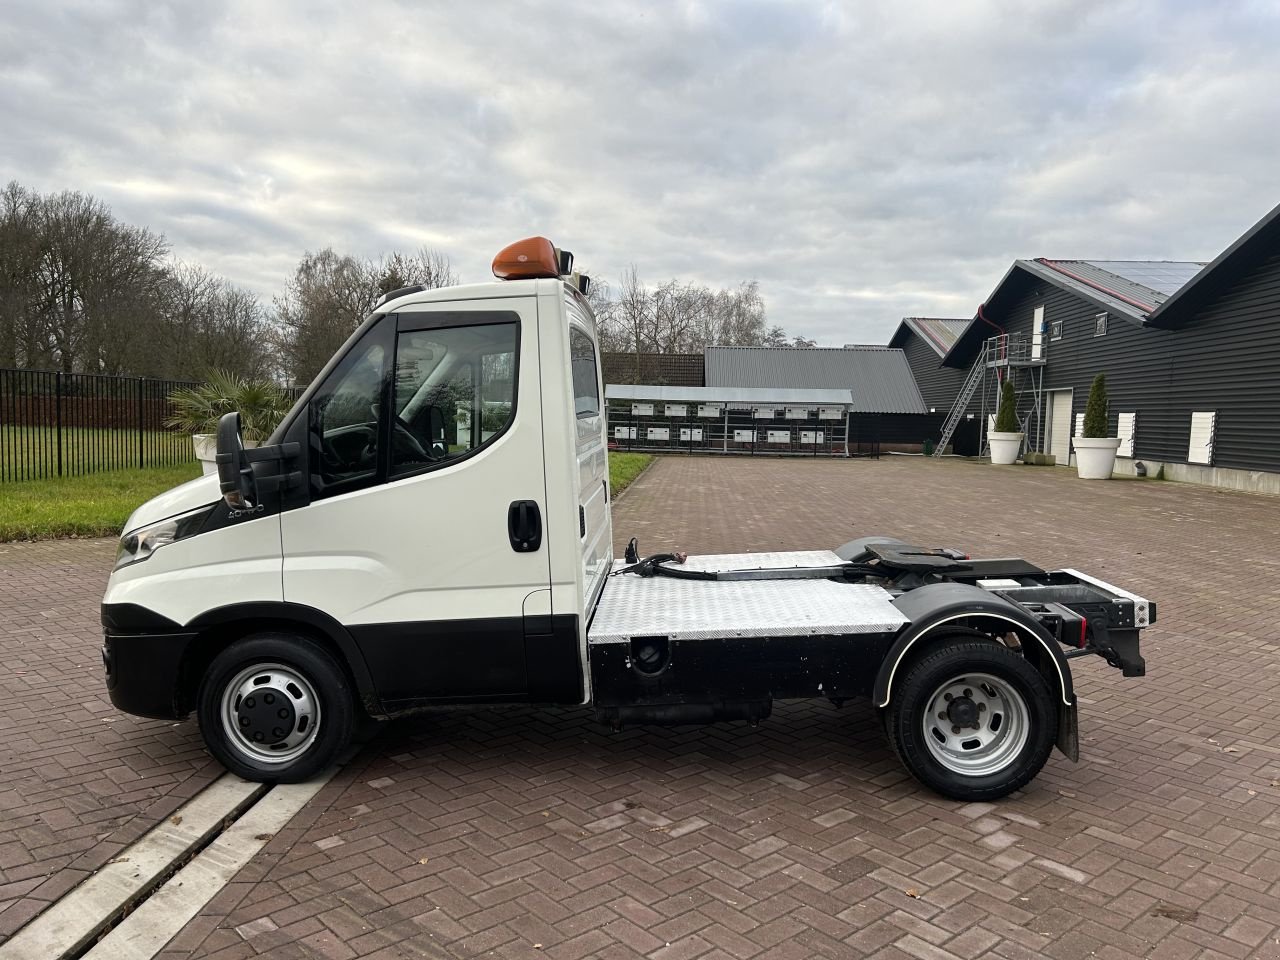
(1004, 355)
(967, 390)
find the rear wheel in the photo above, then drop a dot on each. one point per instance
(275, 707)
(973, 720)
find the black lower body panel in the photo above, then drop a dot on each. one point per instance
(417, 665)
(144, 673)
(651, 672)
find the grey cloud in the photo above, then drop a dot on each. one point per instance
(862, 161)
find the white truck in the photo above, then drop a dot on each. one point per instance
(430, 526)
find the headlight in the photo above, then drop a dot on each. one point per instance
(139, 544)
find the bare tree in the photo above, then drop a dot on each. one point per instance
(329, 294)
(681, 317)
(209, 324)
(19, 263)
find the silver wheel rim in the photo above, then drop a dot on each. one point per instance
(976, 724)
(265, 693)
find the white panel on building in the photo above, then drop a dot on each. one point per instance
(764, 413)
(624, 433)
(1202, 427)
(659, 433)
(830, 413)
(778, 436)
(642, 409)
(1059, 443)
(1079, 425)
(797, 413)
(1037, 334)
(691, 433)
(744, 436)
(1127, 425)
(811, 436)
(677, 410)
(709, 410)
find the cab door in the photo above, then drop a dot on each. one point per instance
(424, 532)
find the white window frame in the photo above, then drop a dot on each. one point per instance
(1055, 329)
(1204, 423)
(1126, 430)
(1100, 325)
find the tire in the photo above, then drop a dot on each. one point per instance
(1001, 718)
(275, 708)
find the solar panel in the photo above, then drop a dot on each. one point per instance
(1163, 276)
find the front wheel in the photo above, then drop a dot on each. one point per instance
(973, 720)
(275, 707)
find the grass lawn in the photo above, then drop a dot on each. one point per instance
(93, 506)
(28, 453)
(625, 467)
(98, 505)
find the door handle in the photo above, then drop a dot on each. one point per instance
(524, 525)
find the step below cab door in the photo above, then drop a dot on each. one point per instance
(425, 536)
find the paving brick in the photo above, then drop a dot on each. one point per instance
(798, 839)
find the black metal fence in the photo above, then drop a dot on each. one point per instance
(68, 424)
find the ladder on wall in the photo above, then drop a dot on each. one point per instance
(967, 390)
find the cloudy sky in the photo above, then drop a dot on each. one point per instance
(862, 161)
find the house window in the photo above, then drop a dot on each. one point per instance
(1055, 329)
(1100, 325)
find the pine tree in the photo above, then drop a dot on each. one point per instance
(1095, 410)
(1007, 414)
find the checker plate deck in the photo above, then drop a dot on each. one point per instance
(633, 606)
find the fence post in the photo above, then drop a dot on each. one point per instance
(57, 407)
(140, 409)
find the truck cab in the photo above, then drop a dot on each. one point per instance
(430, 526)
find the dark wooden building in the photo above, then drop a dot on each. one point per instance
(925, 341)
(1191, 352)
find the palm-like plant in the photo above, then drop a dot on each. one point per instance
(198, 409)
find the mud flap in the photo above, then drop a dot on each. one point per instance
(1069, 733)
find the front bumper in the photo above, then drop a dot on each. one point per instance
(144, 673)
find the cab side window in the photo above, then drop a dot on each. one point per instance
(345, 418)
(586, 385)
(455, 391)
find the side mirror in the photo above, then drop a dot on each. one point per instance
(435, 430)
(235, 476)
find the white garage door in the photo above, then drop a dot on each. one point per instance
(1060, 426)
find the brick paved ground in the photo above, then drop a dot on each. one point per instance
(526, 833)
(78, 781)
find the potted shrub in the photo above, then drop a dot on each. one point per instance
(1006, 438)
(1095, 451)
(197, 410)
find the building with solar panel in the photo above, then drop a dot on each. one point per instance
(1191, 352)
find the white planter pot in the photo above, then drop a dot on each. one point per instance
(1004, 446)
(1095, 456)
(206, 445)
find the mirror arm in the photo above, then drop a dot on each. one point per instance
(279, 451)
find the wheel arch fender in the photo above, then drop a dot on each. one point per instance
(933, 608)
(216, 627)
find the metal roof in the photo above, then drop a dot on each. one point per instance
(938, 333)
(878, 378)
(1132, 287)
(731, 396)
